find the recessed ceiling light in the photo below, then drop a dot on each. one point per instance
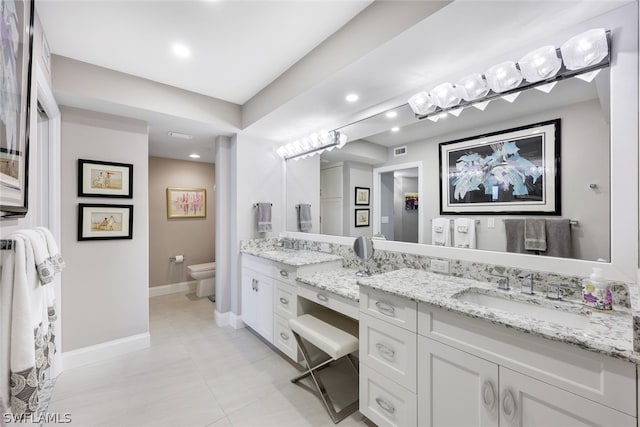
(352, 97)
(181, 50)
(391, 114)
(194, 156)
(395, 129)
(179, 135)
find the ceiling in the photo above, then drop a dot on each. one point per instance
(240, 47)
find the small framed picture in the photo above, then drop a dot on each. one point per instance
(105, 222)
(362, 196)
(362, 217)
(104, 179)
(186, 203)
(411, 201)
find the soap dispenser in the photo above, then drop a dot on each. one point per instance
(596, 292)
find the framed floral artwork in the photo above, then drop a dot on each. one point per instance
(186, 203)
(514, 171)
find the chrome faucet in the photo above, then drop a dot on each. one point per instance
(553, 291)
(502, 281)
(527, 282)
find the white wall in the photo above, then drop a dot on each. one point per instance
(387, 205)
(405, 222)
(584, 160)
(303, 186)
(105, 283)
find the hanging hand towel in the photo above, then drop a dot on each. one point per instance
(535, 234)
(45, 268)
(304, 217)
(464, 233)
(559, 238)
(264, 217)
(54, 253)
(441, 232)
(514, 230)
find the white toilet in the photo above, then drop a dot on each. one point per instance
(205, 274)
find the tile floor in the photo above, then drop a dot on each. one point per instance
(194, 374)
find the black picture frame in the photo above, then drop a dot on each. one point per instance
(97, 178)
(362, 196)
(15, 95)
(362, 217)
(509, 172)
(95, 222)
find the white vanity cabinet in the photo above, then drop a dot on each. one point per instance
(257, 301)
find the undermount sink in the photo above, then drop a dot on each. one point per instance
(564, 318)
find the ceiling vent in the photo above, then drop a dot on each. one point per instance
(400, 151)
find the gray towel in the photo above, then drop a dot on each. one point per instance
(304, 217)
(264, 217)
(514, 229)
(559, 238)
(535, 234)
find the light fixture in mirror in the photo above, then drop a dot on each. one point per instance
(445, 95)
(503, 77)
(312, 145)
(540, 64)
(421, 103)
(472, 87)
(586, 49)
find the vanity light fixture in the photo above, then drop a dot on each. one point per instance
(179, 135)
(312, 145)
(582, 56)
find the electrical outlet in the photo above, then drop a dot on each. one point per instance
(440, 266)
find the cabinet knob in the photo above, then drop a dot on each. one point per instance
(509, 408)
(284, 301)
(284, 336)
(488, 395)
(385, 405)
(322, 297)
(386, 351)
(386, 309)
(284, 273)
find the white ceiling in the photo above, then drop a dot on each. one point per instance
(239, 47)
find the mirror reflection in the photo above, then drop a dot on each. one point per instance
(397, 157)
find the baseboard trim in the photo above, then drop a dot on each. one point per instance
(172, 288)
(228, 318)
(106, 350)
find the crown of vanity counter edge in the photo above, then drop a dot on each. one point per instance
(614, 333)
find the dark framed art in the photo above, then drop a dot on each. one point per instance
(362, 196)
(105, 222)
(514, 171)
(104, 179)
(16, 45)
(362, 218)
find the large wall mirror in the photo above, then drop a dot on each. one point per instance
(397, 159)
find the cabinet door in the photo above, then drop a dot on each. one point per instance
(527, 402)
(264, 315)
(455, 388)
(249, 298)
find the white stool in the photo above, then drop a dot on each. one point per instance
(337, 336)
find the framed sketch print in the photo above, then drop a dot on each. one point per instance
(362, 196)
(362, 218)
(104, 179)
(411, 201)
(514, 171)
(105, 222)
(16, 45)
(186, 203)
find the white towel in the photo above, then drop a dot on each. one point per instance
(264, 217)
(441, 232)
(54, 253)
(464, 233)
(38, 246)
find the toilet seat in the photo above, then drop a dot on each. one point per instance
(202, 267)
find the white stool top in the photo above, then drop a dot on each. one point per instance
(202, 267)
(331, 332)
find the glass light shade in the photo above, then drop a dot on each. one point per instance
(343, 140)
(445, 95)
(472, 87)
(421, 103)
(540, 64)
(585, 49)
(503, 77)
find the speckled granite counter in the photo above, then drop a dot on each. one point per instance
(340, 281)
(291, 257)
(609, 333)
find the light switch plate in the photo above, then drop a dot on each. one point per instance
(440, 266)
(384, 220)
(491, 223)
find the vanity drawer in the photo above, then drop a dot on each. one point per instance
(283, 338)
(389, 350)
(327, 299)
(285, 303)
(390, 308)
(285, 273)
(384, 402)
(595, 376)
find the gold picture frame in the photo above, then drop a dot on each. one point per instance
(186, 203)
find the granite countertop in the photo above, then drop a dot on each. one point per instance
(610, 333)
(294, 258)
(340, 281)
